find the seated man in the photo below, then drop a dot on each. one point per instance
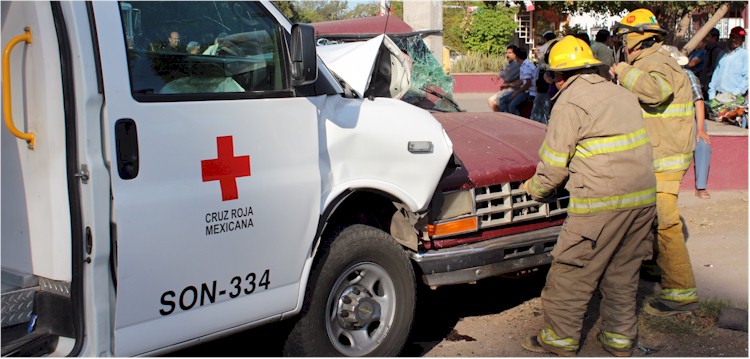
(727, 90)
(172, 44)
(512, 102)
(509, 74)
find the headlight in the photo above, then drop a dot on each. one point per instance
(456, 215)
(456, 204)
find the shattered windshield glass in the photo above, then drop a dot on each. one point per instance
(431, 88)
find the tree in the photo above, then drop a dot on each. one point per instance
(313, 11)
(490, 30)
(363, 10)
(671, 15)
(286, 8)
(455, 20)
(329, 10)
(567, 30)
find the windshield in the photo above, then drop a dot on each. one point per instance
(431, 88)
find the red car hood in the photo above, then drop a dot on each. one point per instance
(493, 147)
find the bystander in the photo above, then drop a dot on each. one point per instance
(541, 110)
(601, 49)
(697, 59)
(512, 103)
(509, 74)
(714, 52)
(702, 156)
(728, 87)
(193, 48)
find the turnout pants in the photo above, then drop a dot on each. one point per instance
(604, 249)
(677, 280)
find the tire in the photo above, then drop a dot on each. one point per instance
(359, 300)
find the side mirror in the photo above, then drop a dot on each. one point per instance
(303, 55)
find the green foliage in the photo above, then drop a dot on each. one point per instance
(668, 13)
(567, 30)
(317, 11)
(454, 16)
(397, 7)
(313, 11)
(363, 10)
(490, 30)
(476, 62)
(286, 8)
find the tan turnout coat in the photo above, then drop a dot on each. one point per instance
(666, 98)
(597, 141)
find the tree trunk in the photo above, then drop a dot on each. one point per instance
(690, 46)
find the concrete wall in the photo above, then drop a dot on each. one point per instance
(427, 15)
(728, 169)
(470, 83)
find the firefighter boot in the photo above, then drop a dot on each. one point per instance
(534, 345)
(663, 308)
(616, 344)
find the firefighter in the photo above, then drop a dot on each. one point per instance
(664, 93)
(596, 141)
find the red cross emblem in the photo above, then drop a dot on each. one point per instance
(226, 168)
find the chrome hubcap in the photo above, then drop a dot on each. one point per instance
(361, 309)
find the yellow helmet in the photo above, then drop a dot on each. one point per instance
(639, 25)
(639, 20)
(571, 53)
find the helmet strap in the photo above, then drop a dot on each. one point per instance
(627, 28)
(646, 43)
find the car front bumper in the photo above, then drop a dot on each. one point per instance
(489, 258)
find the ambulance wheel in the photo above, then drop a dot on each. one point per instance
(359, 300)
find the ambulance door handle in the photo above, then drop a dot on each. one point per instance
(28, 136)
(126, 140)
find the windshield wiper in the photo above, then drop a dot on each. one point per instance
(443, 97)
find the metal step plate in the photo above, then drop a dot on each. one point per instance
(17, 306)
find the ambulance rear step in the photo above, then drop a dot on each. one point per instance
(35, 312)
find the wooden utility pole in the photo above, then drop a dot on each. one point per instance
(710, 24)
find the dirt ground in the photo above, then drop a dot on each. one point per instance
(717, 240)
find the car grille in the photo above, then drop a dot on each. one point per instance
(506, 203)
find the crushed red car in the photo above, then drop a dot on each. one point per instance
(486, 225)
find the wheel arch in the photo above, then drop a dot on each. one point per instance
(371, 207)
(358, 206)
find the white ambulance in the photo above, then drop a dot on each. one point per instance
(174, 172)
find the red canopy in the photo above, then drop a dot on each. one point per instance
(363, 25)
